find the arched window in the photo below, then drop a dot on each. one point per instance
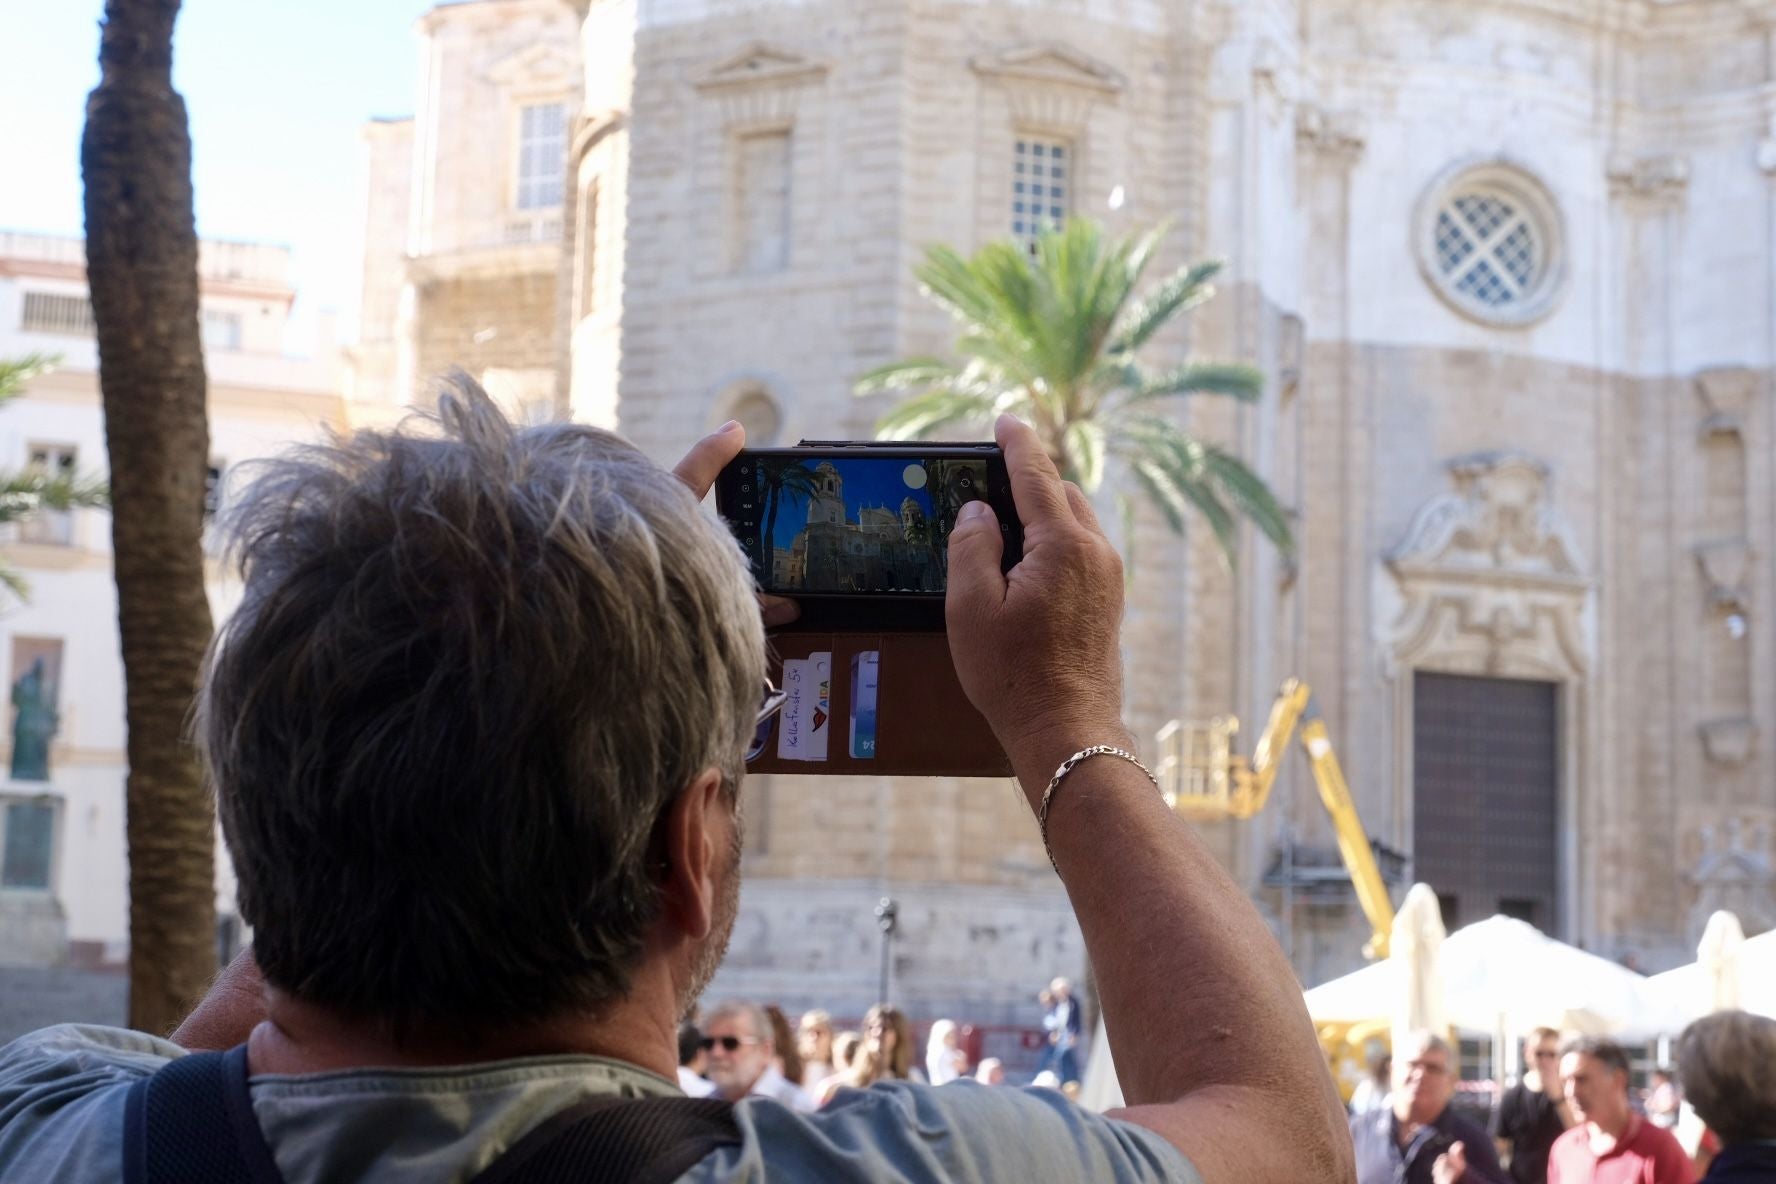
(757, 412)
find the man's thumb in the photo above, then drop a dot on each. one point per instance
(976, 551)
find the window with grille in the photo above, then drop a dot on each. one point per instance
(1490, 244)
(55, 527)
(1487, 248)
(1041, 181)
(762, 202)
(221, 329)
(51, 312)
(542, 155)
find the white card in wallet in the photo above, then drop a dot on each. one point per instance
(803, 729)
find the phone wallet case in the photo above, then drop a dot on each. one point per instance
(921, 725)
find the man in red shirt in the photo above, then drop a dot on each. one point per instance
(1610, 1144)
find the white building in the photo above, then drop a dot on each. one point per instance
(63, 865)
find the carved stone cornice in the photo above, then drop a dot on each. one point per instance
(1497, 524)
(1723, 565)
(1050, 65)
(538, 67)
(1728, 741)
(1726, 392)
(760, 85)
(759, 64)
(1489, 580)
(1334, 134)
(1662, 179)
(1050, 87)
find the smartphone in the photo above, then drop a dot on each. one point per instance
(858, 531)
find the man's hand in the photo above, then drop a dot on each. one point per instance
(1451, 1166)
(1038, 650)
(699, 469)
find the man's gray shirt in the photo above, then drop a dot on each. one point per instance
(62, 1093)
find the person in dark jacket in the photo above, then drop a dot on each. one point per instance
(1419, 1139)
(1727, 1063)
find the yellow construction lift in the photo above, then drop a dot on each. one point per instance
(1204, 779)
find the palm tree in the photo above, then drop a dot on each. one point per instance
(141, 254)
(1053, 337)
(793, 482)
(32, 491)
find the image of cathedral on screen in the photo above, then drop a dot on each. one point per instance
(867, 542)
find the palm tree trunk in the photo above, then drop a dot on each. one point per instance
(141, 244)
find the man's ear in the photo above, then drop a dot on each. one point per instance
(696, 842)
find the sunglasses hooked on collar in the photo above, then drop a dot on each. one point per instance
(769, 706)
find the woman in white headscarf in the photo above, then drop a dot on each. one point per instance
(944, 1059)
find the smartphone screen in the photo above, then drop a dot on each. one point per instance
(857, 520)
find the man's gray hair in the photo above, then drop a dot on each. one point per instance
(1423, 1040)
(755, 1015)
(472, 666)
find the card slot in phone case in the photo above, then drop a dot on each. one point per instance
(925, 725)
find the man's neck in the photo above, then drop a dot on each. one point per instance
(1614, 1127)
(298, 1037)
(752, 1085)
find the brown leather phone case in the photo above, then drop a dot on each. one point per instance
(925, 725)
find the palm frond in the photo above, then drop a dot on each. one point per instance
(942, 406)
(1210, 476)
(1082, 445)
(1236, 380)
(1251, 497)
(14, 582)
(1184, 289)
(905, 375)
(29, 492)
(1160, 491)
(16, 372)
(1180, 462)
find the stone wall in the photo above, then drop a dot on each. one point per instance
(1303, 144)
(503, 320)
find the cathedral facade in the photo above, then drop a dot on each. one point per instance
(1510, 270)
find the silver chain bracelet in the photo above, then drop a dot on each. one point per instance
(1067, 766)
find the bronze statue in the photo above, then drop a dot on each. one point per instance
(33, 724)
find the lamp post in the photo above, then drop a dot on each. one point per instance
(886, 912)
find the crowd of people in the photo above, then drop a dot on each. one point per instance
(1574, 1116)
(742, 1049)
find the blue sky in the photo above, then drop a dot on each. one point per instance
(867, 483)
(276, 93)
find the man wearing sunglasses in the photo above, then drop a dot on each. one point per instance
(476, 734)
(740, 1049)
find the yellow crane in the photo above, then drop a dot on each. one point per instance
(1204, 779)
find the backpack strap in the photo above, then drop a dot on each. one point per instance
(619, 1141)
(192, 1123)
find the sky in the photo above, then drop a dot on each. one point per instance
(277, 92)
